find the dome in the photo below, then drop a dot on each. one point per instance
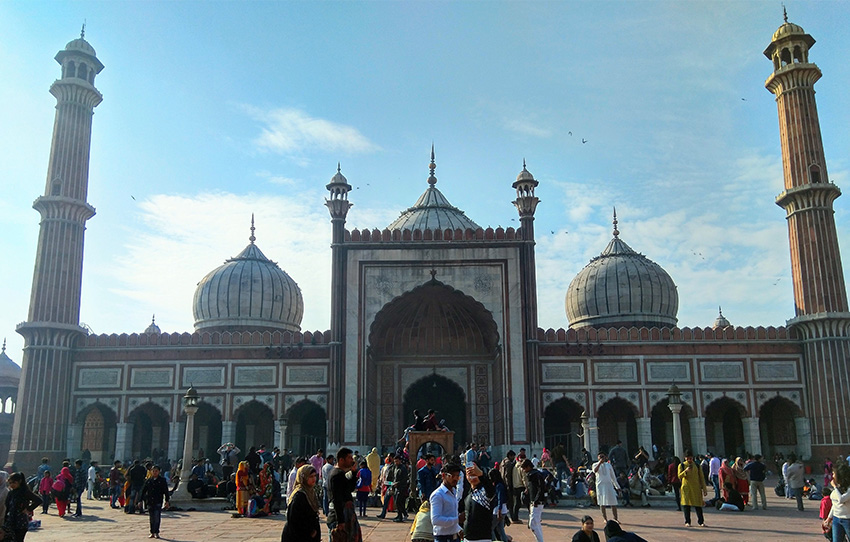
(788, 29)
(432, 211)
(153, 328)
(10, 372)
(81, 46)
(721, 321)
(248, 291)
(622, 288)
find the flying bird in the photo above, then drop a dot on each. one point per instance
(133, 197)
(570, 133)
(583, 140)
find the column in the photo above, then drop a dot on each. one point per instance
(644, 429)
(676, 409)
(719, 440)
(752, 435)
(175, 439)
(228, 432)
(804, 437)
(73, 444)
(280, 427)
(182, 491)
(123, 441)
(698, 435)
(591, 436)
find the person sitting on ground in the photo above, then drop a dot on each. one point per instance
(586, 534)
(615, 533)
(734, 501)
(197, 488)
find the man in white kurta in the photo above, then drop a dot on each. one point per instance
(606, 486)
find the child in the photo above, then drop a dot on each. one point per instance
(825, 507)
(44, 490)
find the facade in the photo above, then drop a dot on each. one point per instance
(434, 311)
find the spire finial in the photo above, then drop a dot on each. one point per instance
(4, 346)
(720, 310)
(83, 31)
(153, 319)
(784, 13)
(432, 180)
(252, 238)
(338, 167)
(616, 231)
(523, 164)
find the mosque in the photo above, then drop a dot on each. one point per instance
(436, 310)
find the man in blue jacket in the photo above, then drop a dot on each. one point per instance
(427, 477)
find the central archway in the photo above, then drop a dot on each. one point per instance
(254, 426)
(724, 427)
(434, 327)
(150, 431)
(307, 428)
(445, 397)
(562, 427)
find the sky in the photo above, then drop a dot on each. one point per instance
(213, 111)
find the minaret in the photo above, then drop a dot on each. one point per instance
(52, 327)
(338, 205)
(526, 203)
(820, 297)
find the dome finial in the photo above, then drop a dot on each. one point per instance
(719, 310)
(784, 13)
(252, 238)
(153, 319)
(432, 180)
(616, 231)
(83, 30)
(4, 346)
(339, 167)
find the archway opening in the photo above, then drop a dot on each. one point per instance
(562, 427)
(445, 397)
(207, 432)
(617, 421)
(724, 427)
(778, 426)
(98, 435)
(662, 427)
(150, 431)
(254, 426)
(307, 430)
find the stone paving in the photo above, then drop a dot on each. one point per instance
(660, 523)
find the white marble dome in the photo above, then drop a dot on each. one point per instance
(621, 288)
(248, 292)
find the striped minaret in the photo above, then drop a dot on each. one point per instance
(52, 327)
(822, 320)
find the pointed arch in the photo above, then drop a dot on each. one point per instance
(254, 425)
(562, 426)
(150, 430)
(617, 419)
(307, 427)
(443, 395)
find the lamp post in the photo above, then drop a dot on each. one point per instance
(585, 431)
(674, 402)
(190, 405)
(284, 422)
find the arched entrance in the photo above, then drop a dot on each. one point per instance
(207, 431)
(616, 419)
(307, 428)
(662, 426)
(254, 426)
(778, 427)
(724, 427)
(99, 429)
(150, 431)
(562, 426)
(446, 397)
(434, 329)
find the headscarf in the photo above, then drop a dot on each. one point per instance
(66, 474)
(301, 485)
(243, 475)
(545, 455)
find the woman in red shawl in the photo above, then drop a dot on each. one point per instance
(727, 475)
(61, 490)
(742, 480)
(244, 488)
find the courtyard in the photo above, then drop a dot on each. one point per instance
(659, 523)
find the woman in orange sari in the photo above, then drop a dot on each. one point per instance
(267, 486)
(244, 488)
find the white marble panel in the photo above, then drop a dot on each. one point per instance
(679, 371)
(203, 376)
(99, 378)
(563, 372)
(776, 371)
(151, 378)
(722, 371)
(255, 376)
(615, 372)
(300, 376)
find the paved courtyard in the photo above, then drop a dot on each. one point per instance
(660, 523)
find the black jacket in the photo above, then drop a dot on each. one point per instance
(341, 485)
(301, 521)
(536, 487)
(479, 511)
(154, 490)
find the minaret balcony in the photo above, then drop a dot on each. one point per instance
(808, 196)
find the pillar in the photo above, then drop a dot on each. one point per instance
(281, 429)
(678, 450)
(804, 437)
(698, 441)
(644, 429)
(182, 491)
(123, 441)
(175, 439)
(228, 432)
(74, 440)
(592, 436)
(752, 435)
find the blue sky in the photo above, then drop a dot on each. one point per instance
(215, 110)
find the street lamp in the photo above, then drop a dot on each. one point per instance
(585, 433)
(190, 406)
(674, 402)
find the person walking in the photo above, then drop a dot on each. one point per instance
(607, 486)
(795, 480)
(714, 473)
(116, 482)
(302, 514)
(500, 507)
(342, 518)
(91, 478)
(694, 489)
(61, 490)
(364, 488)
(675, 483)
(81, 482)
(324, 475)
(536, 485)
(506, 467)
(444, 505)
(518, 486)
(757, 472)
(20, 503)
(154, 490)
(839, 514)
(44, 487)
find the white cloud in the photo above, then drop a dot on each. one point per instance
(291, 131)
